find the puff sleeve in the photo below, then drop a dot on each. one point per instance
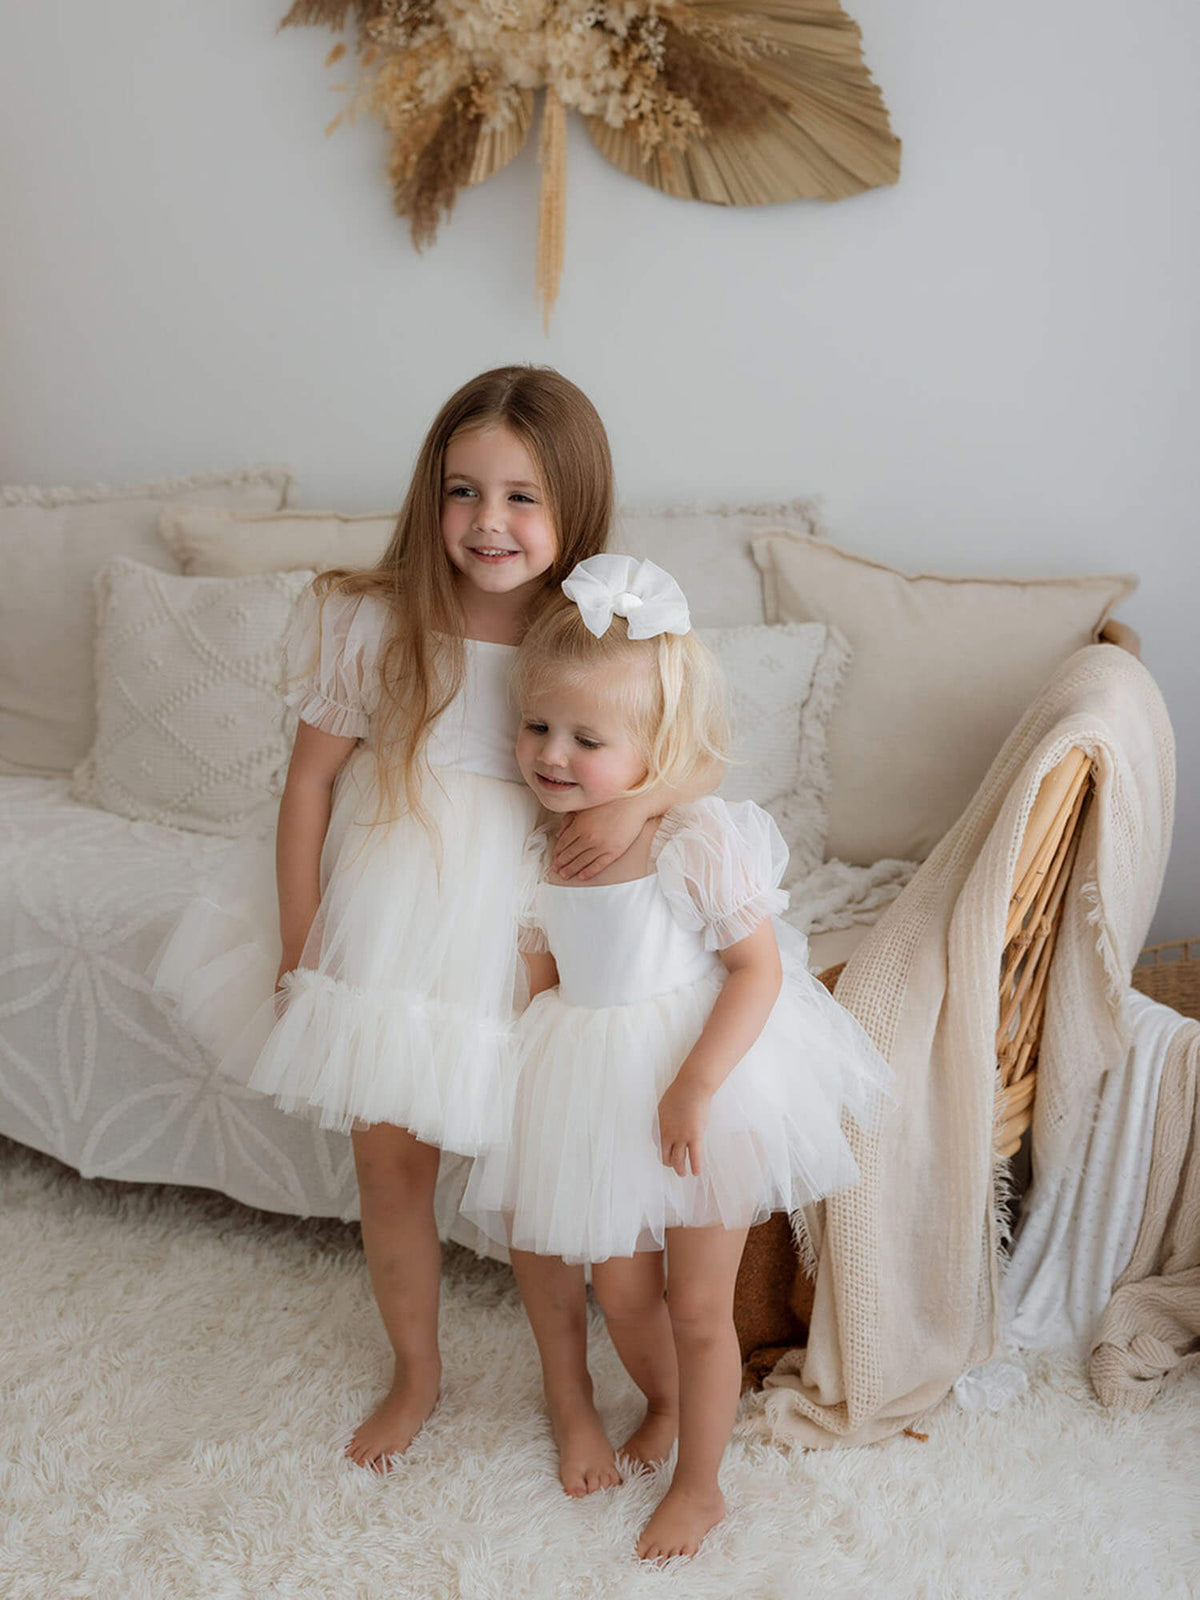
(720, 867)
(531, 936)
(330, 660)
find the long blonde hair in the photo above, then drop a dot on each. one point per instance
(423, 663)
(669, 691)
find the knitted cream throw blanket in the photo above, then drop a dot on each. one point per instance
(908, 1260)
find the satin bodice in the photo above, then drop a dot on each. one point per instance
(617, 943)
(477, 731)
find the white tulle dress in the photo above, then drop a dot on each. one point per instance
(582, 1176)
(401, 1010)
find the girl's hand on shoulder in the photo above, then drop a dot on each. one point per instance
(682, 1120)
(591, 840)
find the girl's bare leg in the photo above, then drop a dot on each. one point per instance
(396, 1179)
(630, 1292)
(556, 1303)
(702, 1267)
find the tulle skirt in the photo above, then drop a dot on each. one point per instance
(582, 1175)
(401, 1010)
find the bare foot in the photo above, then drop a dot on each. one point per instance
(585, 1458)
(396, 1420)
(650, 1443)
(680, 1523)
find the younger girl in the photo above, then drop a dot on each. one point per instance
(678, 1079)
(400, 836)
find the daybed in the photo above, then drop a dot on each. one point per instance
(96, 1070)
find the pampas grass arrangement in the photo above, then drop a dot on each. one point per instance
(732, 104)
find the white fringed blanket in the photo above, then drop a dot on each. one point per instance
(1151, 1326)
(908, 1261)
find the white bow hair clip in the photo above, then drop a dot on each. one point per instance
(608, 586)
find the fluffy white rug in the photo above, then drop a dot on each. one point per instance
(178, 1376)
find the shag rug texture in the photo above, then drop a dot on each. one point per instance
(179, 1374)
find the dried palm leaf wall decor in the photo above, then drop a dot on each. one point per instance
(736, 104)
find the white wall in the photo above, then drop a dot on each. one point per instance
(988, 368)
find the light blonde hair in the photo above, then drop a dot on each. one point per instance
(423, 664)
(669, 691)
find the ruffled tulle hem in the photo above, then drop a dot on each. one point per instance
(582, 1176)
(401, 1008)
(334, 1052)
(698, 1204)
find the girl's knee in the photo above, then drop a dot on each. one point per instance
(624, 1297)
(696, 1311)
(394, 1171)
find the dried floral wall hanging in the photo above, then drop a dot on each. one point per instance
(736, 104)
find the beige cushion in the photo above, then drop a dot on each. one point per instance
(209, 542)
(782, 685)
(707, 550)
(942, 669)
(191, 727)
(52, 544)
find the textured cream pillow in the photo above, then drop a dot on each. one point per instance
(942, 669)
(212, 543)
(707, 551)
(52, 544)
(782, 684)
(191, 730)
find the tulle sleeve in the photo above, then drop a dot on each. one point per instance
(720, 867)
(531, 936)
(330, 656)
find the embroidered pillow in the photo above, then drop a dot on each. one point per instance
(52, 544)
(782, 684)
(191, 727)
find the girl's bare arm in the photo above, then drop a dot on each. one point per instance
(735, 1022)
(542, 971)
(304, 810)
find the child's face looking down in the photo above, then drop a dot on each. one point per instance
(575, 750)
(495, 521)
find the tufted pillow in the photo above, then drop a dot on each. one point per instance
(191, 727)
(52, 544)
(782, 684)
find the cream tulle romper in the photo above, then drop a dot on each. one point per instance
(582, 1176)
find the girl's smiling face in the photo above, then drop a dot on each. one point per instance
(575, 749)
(496, 524)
